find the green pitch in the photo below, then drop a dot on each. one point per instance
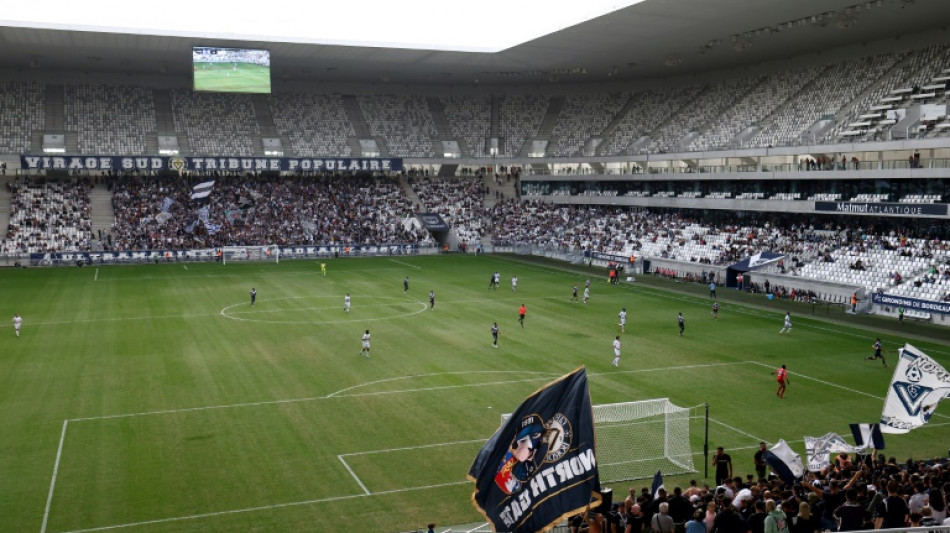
(155, 398)
(232, 77)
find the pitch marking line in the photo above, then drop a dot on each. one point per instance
(338, 395)
(52, 483)
(406, 264)
(842, 387)
(96, 278)
(352, 473)
(342, 456)
(260, 508)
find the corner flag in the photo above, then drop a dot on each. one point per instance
(917, 386)
(539, 467)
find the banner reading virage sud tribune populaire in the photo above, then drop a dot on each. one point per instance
(540, 467)
(918, 385)
(205, 164)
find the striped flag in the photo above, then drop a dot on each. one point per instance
(785, 462)
(868, 436)
(202, 190)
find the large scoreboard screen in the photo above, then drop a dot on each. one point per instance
(231, 70)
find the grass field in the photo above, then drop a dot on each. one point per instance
(154, 398)
(231, 77)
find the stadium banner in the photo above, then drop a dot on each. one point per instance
(211, 254)
(875, 208)
(928, 306)
(202, 164)
(433, 221)
(917, 386)
(539, 467)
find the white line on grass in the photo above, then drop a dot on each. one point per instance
(414, 376)
(185, 267)
(262, 508)
(406, 264)
(96, 278)
(823, 382)
(52, 483)
(338, 395)
(352, 473)
(419, 447)
(737, 430)
(830, 384)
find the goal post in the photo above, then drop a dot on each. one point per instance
(634, 440)
(231, 254)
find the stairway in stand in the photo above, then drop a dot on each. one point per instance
(101, 212)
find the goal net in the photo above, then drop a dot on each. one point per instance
(637, 439)
(250, 253)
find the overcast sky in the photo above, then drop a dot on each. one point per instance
(474, 25)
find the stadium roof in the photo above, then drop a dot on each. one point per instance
(650, 39)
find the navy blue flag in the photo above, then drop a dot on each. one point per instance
(540, 467)
(657, 485)
(868, 436)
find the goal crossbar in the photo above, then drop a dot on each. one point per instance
(634, 440)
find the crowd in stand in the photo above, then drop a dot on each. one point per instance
(854, 493)
(158, 213)
(460, 201)
(48, 216)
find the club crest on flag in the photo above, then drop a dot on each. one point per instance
(919, 383)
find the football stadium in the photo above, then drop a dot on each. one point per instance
(544, 267)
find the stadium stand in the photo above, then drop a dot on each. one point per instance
(752, 109)
(110, 120)
(216, 124)
(458, 200)
(48, 216)
(403, 121)
(22, 110)
(710, 102)
(520, 119)
(470, 120)
(250, 210)
(313, 123)
(648, 111)
(582, 117)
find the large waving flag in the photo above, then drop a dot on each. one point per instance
(785, 462)
(202, 190)
(539, 467)
(867, 436)
(819, 450)
(918, 385)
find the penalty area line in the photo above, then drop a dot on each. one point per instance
(262, 508)
(352, 473)
(52, 483)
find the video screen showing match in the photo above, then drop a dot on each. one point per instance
(231, 70)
